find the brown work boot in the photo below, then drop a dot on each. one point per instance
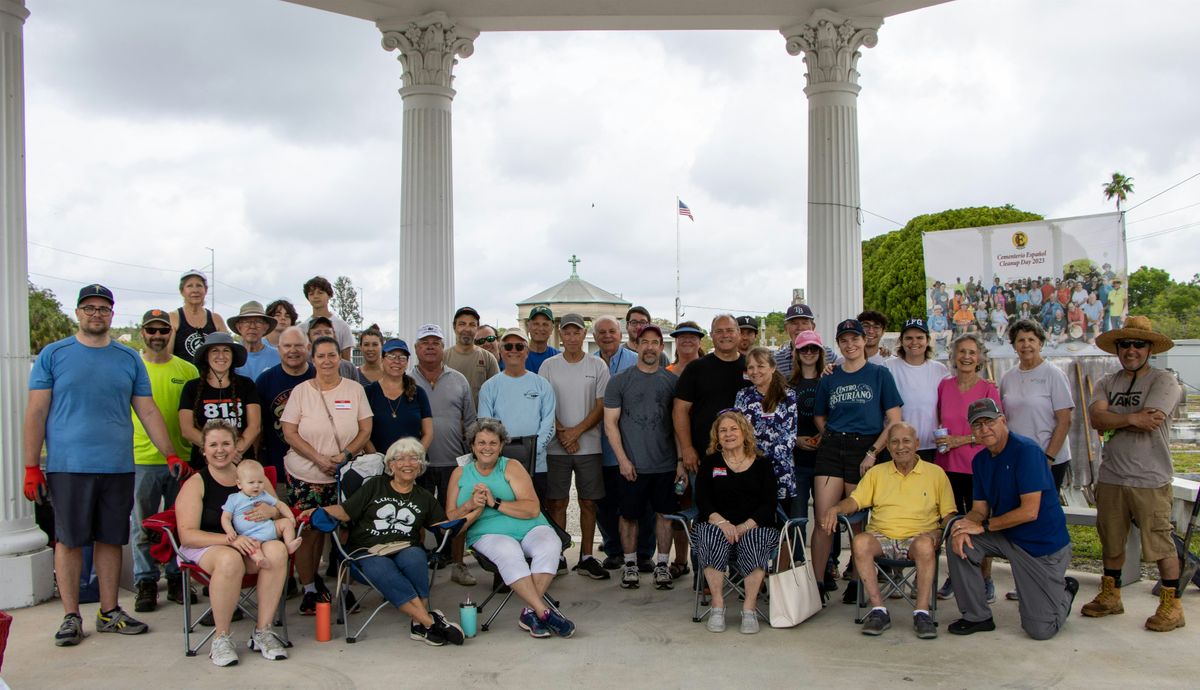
(1169, 614)
(1107, 602)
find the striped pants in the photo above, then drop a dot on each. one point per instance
(753, 551)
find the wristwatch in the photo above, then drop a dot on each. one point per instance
(347, 456)
(986, 524)
(497, 506)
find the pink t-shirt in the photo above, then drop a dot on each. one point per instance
(347, 403)
(952, 411)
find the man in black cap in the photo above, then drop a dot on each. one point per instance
(1016, 515)
(467, 358)
(80, 391)
(747, 333)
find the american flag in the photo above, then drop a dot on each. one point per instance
(685, 211)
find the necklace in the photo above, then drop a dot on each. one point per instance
(395, 409)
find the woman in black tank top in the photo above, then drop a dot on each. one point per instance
(186, 337)
(198, 515)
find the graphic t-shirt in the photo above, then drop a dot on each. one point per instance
(88, 428)
(1133, 457)
(274, 388)
(166, 380)
(228, 403)
(381, 515)
(647, 434)
(855, 403)
(710, 384)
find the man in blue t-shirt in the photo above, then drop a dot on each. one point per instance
(1015, 515)
(274, 388)
(540, 326)
(80, 392)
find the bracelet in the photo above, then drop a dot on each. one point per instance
(871, 451)
(723, 522)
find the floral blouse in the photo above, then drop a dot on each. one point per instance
(775, 433)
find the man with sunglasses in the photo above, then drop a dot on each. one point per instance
(80, 391)
(1015, 514)
(524, 402)
(467, 357)
(153, 485)
(1133, 405)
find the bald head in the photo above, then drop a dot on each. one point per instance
(293, 350)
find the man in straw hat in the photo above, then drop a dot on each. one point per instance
(1134, 484)
(253, 324)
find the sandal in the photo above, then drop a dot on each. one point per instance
(678, 570)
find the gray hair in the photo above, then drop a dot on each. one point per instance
(905, 426)
(490, 425)
(718, 317)
(602, 319)
(405, 446)
(973, 337)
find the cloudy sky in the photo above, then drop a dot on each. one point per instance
(272, 133)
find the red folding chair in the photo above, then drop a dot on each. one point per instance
(165, 545)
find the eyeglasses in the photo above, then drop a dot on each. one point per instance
(396, 355)
(986, 422)
(405, 458)
(514, 346)
(637, 322)
(1136, 344)
(809, 350)
(164, 330)
(868, 326)
(92, 310)
(485, 339)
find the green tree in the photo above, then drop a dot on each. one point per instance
(1118, 187)
(894, 263)
(1145, 284)
(345, 301)
(47, 322)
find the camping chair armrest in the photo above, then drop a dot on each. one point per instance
(946, 529)
(444, 532)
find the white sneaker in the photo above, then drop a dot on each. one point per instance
(267, 642)
(222, 652)
(749, 622)
(716, 620)
(460, 574)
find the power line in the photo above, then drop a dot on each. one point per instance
(234, 287)
(110, 261)
(111, 287)
(1129, 210)
(859, 209)
(726, 310)
(1162, 232)
(1164, 213)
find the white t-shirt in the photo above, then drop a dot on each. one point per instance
(346, 403)
(577, 387)
(1030, 401)
(918, 387)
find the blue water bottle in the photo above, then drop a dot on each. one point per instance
(468, 615)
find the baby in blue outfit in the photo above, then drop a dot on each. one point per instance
(252, 482)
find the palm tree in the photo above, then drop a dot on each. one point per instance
(1119, 187)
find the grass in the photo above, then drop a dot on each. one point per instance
(1185, 461)
(1085, 543)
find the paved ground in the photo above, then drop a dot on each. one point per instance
(630, 639)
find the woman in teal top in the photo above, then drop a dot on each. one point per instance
(506, 526)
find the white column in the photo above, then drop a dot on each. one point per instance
(26, 565)
(830, 44)
(428, 48)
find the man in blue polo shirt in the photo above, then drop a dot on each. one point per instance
(80, 392)
(1015, 515)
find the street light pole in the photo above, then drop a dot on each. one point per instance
(212, 289)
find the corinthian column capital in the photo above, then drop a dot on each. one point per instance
(830, 44)
(429, 47)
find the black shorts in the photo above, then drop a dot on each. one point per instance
(655, 489)
(841, 454)
(91, 507)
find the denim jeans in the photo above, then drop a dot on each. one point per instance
(399, 577)
(154, 490)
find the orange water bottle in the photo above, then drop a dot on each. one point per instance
(324, 629)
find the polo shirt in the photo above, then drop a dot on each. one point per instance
(903, 506)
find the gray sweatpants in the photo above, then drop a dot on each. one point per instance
(1045, 602)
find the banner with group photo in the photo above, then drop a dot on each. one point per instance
(1068, 274)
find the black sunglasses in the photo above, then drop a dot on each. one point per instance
(808, 350)
(485, 339)
(157, 331)
(1126, 344)
(514, 346)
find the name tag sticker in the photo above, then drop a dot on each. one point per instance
(719, 472)
(341, 405)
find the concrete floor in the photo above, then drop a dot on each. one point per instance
(640, 638)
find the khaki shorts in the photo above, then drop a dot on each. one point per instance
(1117, 506)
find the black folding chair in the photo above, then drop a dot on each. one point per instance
(897, 576)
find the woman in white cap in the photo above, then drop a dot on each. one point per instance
(219, 393)
(191, 322)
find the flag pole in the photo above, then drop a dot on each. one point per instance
(677, 260)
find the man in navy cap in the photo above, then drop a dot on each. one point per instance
(1015, 515)
(80, 392)
(799, 318)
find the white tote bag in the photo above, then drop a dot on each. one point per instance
(794, 594)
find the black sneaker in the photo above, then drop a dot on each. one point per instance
(117, 621)
(147, 596)
(590, 567)
(429, 636)
(924, 626)
(562, 566)
(963, 626)
(70, 632)
(175, 591)
(831, 580)
(850, 596)
(612, 563)
(876, 622)
(450, 632)
(645, 565)
(1073, 589)
(308, 605)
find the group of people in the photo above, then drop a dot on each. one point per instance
(746, 434)
(1076, 308)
